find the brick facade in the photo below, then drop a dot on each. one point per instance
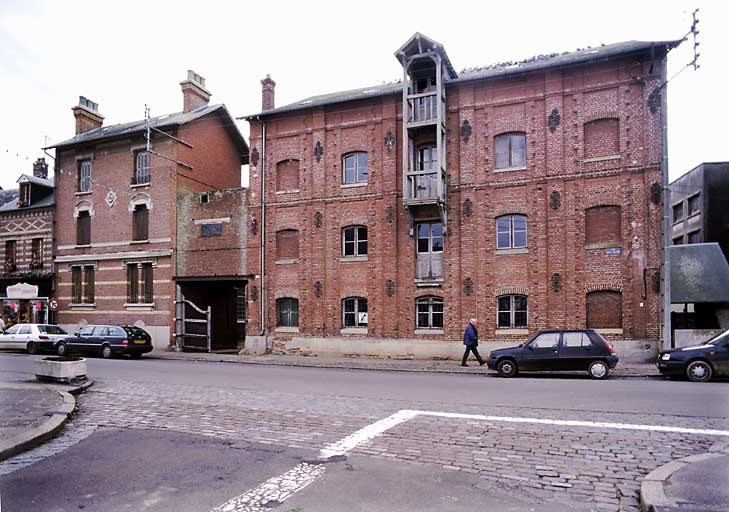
(604, 101)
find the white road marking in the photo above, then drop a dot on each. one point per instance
(280, 488)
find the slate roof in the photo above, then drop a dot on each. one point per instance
(36, 180)
(536, 63)
(8, 197)
(167, 120)
(699, 273)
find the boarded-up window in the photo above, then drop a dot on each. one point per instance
(140, 220)
(604, 310)
(287, 175)
(602, 138)
(287, 244)
(602, 224)
(83, 228)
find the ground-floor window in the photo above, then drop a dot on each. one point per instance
(240, 305)
(287, 312)
(354, 312)
(429, 313)
(140, 283)
(82, 284)
(511, 312)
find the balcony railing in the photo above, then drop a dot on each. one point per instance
(425, 186)
(423, 107)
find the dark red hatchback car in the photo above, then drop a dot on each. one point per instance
(107, 341)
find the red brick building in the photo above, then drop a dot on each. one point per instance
(117, 216)
(524, 194)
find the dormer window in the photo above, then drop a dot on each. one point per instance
(24, 197)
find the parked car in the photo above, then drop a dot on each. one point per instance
(107, 341)
(33, 338)
(700, 362)
(570, 350)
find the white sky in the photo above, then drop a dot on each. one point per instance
(128, 53)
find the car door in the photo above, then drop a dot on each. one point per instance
(722, 358)
(24, 334)
(542, 352)
(8, 338)
(576, 351)
(101, 336)
(84, 342)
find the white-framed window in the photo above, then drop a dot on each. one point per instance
(354, 312)
(354, 241)
(511, 232)
(511, 312)
(84, 176)
(141, 168)
(354, 168)
(429, 313)
(287, 312)
(510, 150)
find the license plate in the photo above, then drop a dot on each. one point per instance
(139, 342)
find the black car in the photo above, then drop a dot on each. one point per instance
(573, 350)
(699, 363)
(107, 341)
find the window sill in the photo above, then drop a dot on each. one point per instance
(293, 330)
(141, 306)
(510, 169)
(600, 159)
(609, 331)
(84, 246)
(429, 283)
(139, 241)
(520, 332)
(353, 185)
(139, 185)
(428, 331)
(90, 305)
(518, 250)
(86, 193)
(292, 191)
(353, 330)
(604, 245)
(350, 259)
(286, 262)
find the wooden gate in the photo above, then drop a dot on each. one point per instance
(192, 325)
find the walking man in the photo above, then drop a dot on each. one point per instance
(470, 339)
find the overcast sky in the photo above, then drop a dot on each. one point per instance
(126, 54)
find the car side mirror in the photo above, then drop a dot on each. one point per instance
(77, 334)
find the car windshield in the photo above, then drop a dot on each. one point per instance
(719, 338)
(51, 329)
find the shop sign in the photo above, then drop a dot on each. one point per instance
(22, 291)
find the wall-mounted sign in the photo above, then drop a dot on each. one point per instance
(22, 291)
(612, 251)
(53, 304)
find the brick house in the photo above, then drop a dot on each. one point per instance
(524, 194)
(117, 219)
(26, 236)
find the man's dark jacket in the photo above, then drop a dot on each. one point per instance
(470, 337)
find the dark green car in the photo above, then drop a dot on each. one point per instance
(107, 341)
(700, 362)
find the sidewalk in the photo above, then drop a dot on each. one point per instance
(693, 484)
(373, 363)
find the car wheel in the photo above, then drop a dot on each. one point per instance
(699, 371)
(105, 351)
(32, 348)
(61, 349)
(598, 370)
(507, 368)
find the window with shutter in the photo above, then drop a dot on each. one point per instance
(132, 283)
(148, 278)
(84, 176)
(83, 228)
(141, 168)
(140, 221)
(89, 285)
(76, 285)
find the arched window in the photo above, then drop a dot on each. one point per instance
(354, 241)
(354, 312)
(287, 312)
(602, 138)
(605, 310)
(287, 244)
(602, 224)
(354, 168)
(429, 313)
(511, 232)
(511, 312)
(287, 175)
(510, 150)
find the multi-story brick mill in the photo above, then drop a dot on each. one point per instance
(525, 194)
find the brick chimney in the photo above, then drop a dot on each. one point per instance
(40, 168)
(267, 96)
(87, 115)
(194, 93)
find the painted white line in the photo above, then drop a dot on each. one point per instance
(575, 423)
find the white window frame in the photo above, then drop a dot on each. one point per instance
(512, 244)
(512, 312)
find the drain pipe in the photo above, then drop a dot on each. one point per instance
(263, 232)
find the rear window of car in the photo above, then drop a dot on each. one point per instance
(135, 331)
(597, 338)
(51, 329)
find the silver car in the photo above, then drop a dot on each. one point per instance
(33, 338)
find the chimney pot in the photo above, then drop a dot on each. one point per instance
(40, 168)
(194, 93)
(87, 115)
(268, 93)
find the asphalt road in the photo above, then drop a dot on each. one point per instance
(162, 436)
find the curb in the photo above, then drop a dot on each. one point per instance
(653, 498)
(50, 427)
(345, 366)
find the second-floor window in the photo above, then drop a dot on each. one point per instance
(10, 255)
(141, 168)
(84, 176)
(36, 253)
(694, 205)
(354, 168)
(511, 232)
(83, 228)
(140, 221)
(510, 151)
(354, 241)
(678, 212)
